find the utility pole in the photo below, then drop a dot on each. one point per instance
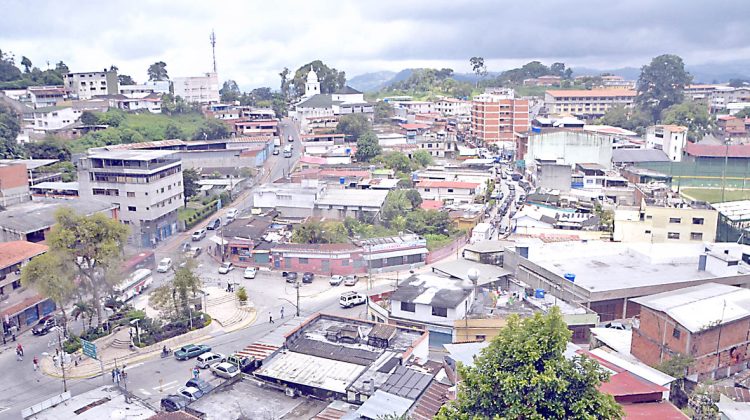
(62, 361)
(297, 286)
(213, 47)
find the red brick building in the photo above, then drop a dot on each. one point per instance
(325, 259)
(496, 118)
(14, 184)
(709, 322)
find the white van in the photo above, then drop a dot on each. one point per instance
(287, 151)
(349, 299)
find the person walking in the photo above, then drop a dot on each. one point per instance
(196, 373)
(36, 364)
(19, 355)
(282, 312)
(270, 318)
(19, 349)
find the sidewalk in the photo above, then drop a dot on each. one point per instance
(225, 309)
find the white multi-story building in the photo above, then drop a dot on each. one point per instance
(587, 103)
(452, 106)
(669, 138)
(145, 184)
(198, 89)
(54, 117)
(153, 86)
(86, 85)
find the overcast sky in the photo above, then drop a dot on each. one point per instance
(256, 39)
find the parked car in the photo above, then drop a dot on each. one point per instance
(201, 384)
(191, 350)
(290, 138)
(275, 151)
(44, 325)
(225, 370)
(172, 403)
(291, 277)
(336, 280)
(190, 393)
(205, 360)
(349, 299)
(245, 364)
(214, 225)
(195, 252)
(250, 273)
(226, 267)
(231, 214)
(186, 246)
(351, 280)
(308, 277)
(164, 265)
(199, 234)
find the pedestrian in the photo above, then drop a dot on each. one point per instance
(20, 349)
(19, 356)
(196, 373)
(54, 360)
(282, 312)
(36, 363)
(270, 318)
(113, 375)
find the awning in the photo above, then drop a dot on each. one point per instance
(218, 241)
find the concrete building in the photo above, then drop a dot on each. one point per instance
(708, 322)
(291, 200)
(54, 118)
(359, 204)
(497, 118)
(552, 175)
(587, 103)
(197, 89)
(20, 306)
(606, 276)
(569, 147)
(657, 222)
(393, 253)
(44, 96)
(617, 82)
(145, 184)
(86, 85)
(452, 191)
(324, 259)
(315, 105)
(669, 138)
(152, 86)
(14, 184)
(452, 107)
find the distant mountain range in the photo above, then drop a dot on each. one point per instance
(702, 73)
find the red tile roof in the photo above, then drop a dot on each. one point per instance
(15, 252)
(415, 126)
(663, 410)
(431, 204)
(711, 150)
(592, 93)
(446, 184)
(429, 403)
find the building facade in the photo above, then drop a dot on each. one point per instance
(14, 184)
(587, 103)
(669, 138)
(197, 89)
(657, 224)
(20, 306)
(497, 118)
(145, 184)
(453, 191)
(86, 85)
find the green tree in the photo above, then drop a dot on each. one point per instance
(50, 148)
(158, 71)
(285, 83)
(26, 63)
(61, 68)
(230, 91)
(8, 69)
(743, 113)
(383, 112)
(330, 78)
(9, 129)
(524, 374)
(125, 80)
(353, 125)
(173, 299)
(49, 276)
(396, 161)
(414, 198)
(316, 232)
(692, 115)
(190, 178)
(172, 131)
(396, 203)
(90, 247)
(212, 129)
(662, 84)
(279, 105)
(112, 118)
(423, 158)
(367, 147)
(478, 67)
(89, 118)
(628, 118)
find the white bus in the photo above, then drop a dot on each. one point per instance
(135, 283)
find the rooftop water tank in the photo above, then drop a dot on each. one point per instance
(570, 277)
(539, 293)
(342, 180)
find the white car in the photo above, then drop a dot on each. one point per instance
(225, 370)
(250, 273)
(189, 392)
(199, 234)
(205, 360)
(351, 280)
(231, 214)
(164, 265)
(336, 280)
(226, 267)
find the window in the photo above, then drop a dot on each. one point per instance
(408, 307)
(676, 333)
(131, 194)
(303, 261)
(731, 263)
(696, 236)
(697, 220)
(673, 235)
(131, 208)
(426, 190)
(648, 232)
(649, 217)
(480, 337)
(450, 190)
(675, 220)
(438, 311)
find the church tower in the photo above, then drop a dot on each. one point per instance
(312, 86)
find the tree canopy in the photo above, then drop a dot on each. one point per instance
(11, 77)
(230, 91)
(524, 374)
(353, 125)
(628, 118)
(367, 147)
(9, 129)
(661, 84)
(692, 115)
(330, 78)
(50, 276)
(158, 71)
(190, 178)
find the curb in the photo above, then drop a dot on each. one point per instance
(250, 321)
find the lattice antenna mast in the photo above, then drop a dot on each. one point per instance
(213, 47)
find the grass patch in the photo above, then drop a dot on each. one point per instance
(713, 195)
(437, 241)
(152, 126)
(186, 213)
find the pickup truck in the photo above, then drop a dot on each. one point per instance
(191, 350)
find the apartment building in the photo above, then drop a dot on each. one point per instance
(86, 85)
(145, 184)
(14, 184)
(498, 117)
(197, 89)
(587, 103)
(655, 222)
(669, 138)
(452, 106)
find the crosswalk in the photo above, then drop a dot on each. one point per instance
(159, 388)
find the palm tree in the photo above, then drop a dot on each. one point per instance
(84, 310)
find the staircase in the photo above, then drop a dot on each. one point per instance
(224, 307)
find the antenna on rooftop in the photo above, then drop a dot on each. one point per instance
(213, 47)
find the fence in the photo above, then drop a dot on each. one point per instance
(447, 250)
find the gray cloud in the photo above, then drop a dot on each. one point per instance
(258, 38)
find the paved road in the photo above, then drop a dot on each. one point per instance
(24, 387)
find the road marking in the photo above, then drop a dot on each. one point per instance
(134, 365)
(168, 384)
(144, 392)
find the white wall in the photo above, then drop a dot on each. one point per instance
(570, 147)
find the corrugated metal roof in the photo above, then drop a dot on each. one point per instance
(382, 404)
(406, 383)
